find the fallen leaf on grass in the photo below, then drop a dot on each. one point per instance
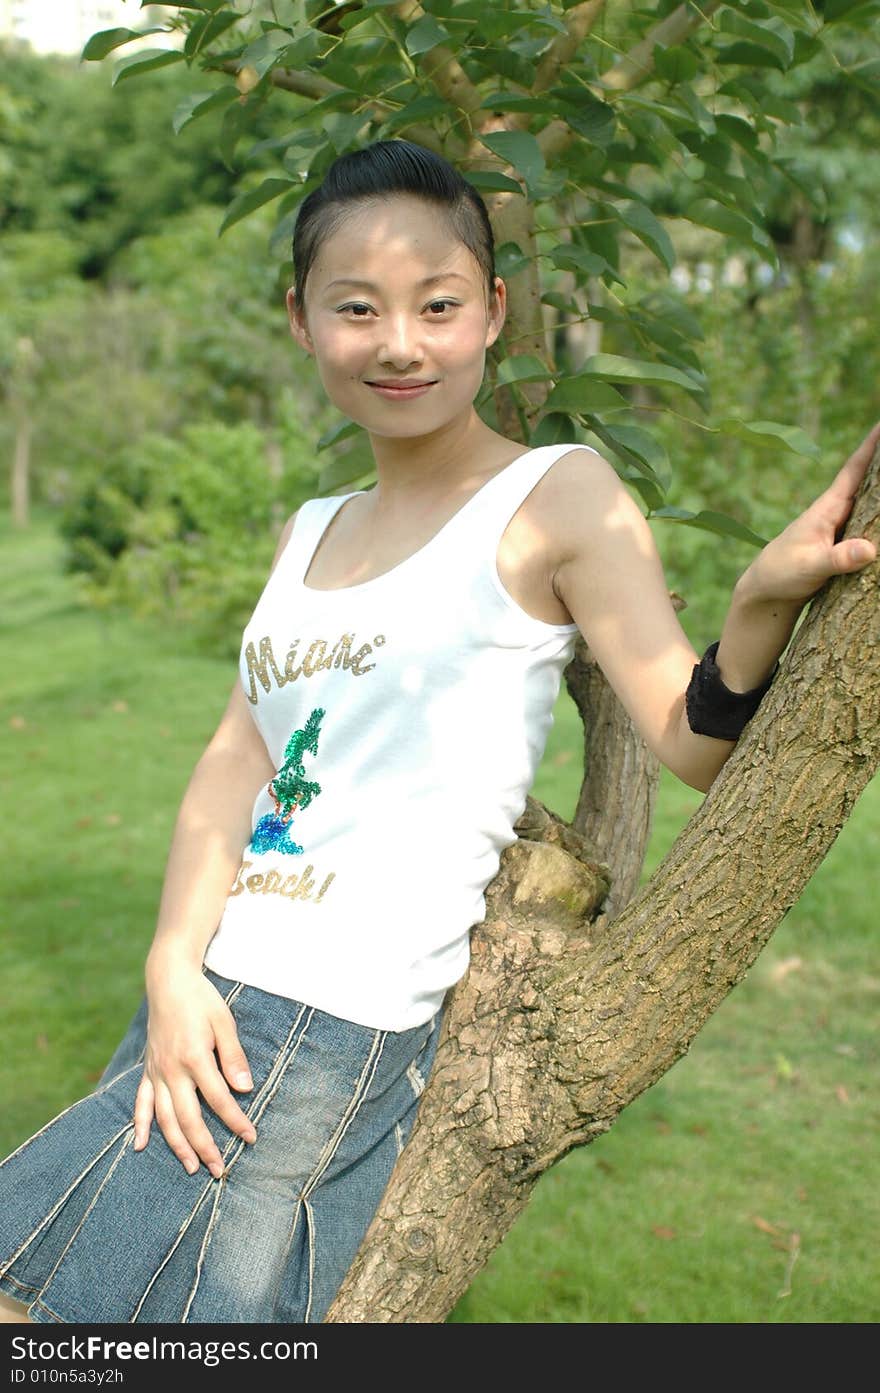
(17, 722)
(842, 1095)
(783, 968)
(41, 1043)
(119, 706)
(112, 819)
(765, 1226)
(661, 1231)
(84, 821)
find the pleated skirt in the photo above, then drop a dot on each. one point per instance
(92, 1231)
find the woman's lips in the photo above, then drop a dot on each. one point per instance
(400, 393)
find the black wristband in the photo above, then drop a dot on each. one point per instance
(712, 708)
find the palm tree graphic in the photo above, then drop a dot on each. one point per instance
(290, 789)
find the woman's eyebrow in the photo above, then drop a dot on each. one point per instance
(368, 285)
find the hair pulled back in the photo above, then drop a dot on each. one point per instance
(375, 171)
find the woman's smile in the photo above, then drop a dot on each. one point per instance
(401, 393)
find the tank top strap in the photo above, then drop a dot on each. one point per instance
(312, 521)
(498, 500)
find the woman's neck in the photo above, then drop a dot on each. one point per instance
(426, 469)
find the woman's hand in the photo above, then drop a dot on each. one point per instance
(794, 565)
(188, 1021)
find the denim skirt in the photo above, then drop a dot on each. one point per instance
(92, 1231)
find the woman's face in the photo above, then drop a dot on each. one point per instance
(392, 321)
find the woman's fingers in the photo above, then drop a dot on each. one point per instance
(213, 1089)
(143, 1112)
(233, 1061)
(183, 1127)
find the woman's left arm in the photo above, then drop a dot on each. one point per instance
(611, 580)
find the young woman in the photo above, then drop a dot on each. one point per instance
(396, 684)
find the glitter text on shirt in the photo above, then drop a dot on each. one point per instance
(316, 659)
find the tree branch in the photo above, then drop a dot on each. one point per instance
(632, 69)
(560, 1022)
(638, 65)
(314, 87)
(579, 22)
(443, 68)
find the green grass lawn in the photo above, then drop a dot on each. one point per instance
(741, 1188)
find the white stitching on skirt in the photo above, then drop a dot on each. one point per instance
(361, 1090)
(93, 1202)
(415, 1078)
(273, 1081)
(58, 1116)
(54, 1210)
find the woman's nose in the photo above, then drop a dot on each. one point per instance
(401, 342)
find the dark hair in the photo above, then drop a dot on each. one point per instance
(383, 168)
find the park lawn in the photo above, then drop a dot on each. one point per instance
(741, 1188)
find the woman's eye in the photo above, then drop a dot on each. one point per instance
(358, 305)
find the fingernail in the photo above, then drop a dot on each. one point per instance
(244, 1080)
(249, 1134)
(191, 1167)
(216, 1169)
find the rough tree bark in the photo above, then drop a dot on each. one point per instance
(567, 1013)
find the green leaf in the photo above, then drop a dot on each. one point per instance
(570, 257)
(775, 38)
(710, 521)
(722, 219)
(591, 118)
(254, 198)
(199, 104)
(517, 101)
(644, 447)
(421, 109)
(649, 490)
(852, 11)
(748, 55)
(204, 31)
(792, 437)
(353, 467)
(520, 149)
(144, 62)
(266, 51)
(426, 34)
(553, 428)
(491, 181)
(640, 220)
(510, 260)
(99, 45)
(343, 430)
(675, 64)
(522, 367)
(342, 129)
(495, 24)
(579, 395)
(613, 368)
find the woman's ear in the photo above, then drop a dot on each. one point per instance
(497, 312)
(298, 326)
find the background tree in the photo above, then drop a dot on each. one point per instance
(570, 121)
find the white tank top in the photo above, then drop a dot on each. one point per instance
(406, 717)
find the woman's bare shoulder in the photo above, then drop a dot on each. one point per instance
(576, 497)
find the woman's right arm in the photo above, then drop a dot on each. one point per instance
(188, 1018)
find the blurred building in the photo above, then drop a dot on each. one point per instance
(63, 26)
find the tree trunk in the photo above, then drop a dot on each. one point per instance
(567, 1014)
